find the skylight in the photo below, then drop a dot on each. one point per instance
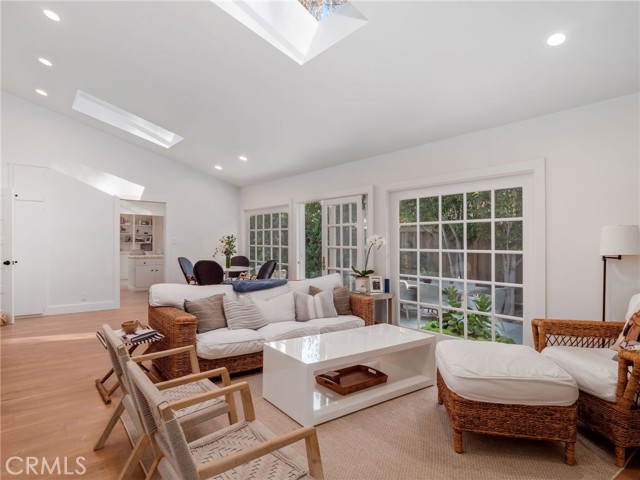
(321, 9)
(287, 25)
(119, 118)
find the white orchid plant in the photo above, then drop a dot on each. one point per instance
(376, 241)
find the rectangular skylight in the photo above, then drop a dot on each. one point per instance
(119, 118)
(320, 9)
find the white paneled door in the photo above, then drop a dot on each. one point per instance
(29, 255)
(7, 253)
(342, 236)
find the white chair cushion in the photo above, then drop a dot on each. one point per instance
(500, 373)
(327, 282)
(284, 330)
(224, 342)
(334, 324)
(277, 309)
(592, 368)
(174, 294)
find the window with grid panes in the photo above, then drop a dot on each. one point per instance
(460, 264)
(269, 240)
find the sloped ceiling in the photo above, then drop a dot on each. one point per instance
(417, 72)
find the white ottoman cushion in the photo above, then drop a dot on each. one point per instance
(501, 373)
(592, 368)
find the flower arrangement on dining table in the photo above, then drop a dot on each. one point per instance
(227, 247)
(376, 241)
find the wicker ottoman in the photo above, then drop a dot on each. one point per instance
(506, 390)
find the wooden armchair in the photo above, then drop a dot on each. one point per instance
(618, 421)
(245, 450)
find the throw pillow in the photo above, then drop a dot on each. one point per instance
(341, 300)
(208, 312)
(277, 309)
(243, 313)
(631, 330)
(309, 307)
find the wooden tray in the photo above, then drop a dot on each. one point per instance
(351, 379)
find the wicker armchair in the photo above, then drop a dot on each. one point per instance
(620, 421)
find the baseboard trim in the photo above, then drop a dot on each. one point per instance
(79, 307)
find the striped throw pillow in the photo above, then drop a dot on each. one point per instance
(341, 299)
(242, 313)
(309, 307)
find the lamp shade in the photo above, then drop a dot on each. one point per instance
(620, 240)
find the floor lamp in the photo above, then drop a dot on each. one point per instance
(616, 241)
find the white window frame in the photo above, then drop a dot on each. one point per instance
(533, 210)
(247, 231)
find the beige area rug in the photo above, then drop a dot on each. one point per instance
(410, 438)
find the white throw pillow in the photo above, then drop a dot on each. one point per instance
(309, 307)
(277, 309)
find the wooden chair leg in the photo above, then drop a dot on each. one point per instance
(570, 453)
(620, 454)
(112, 423)
(134, 458)
(457, 441)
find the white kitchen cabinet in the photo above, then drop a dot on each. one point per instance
(145, 270)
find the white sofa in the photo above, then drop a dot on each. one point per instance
(237, 349)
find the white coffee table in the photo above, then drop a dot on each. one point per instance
(406, 356)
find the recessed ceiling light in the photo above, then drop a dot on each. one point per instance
(119, 118)
(46, 62)
(556, 39)
(218, 167)
(243, 158)
(41, 92)
(51, 15)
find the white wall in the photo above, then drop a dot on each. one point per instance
(82, 222)
(592, 170)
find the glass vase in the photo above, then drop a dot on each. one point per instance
(228, 261)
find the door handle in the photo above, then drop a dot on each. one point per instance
(6, 262)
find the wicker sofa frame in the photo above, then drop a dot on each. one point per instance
(619, 422)
(179, 330)
(521, 421)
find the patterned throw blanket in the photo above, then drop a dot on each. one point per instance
(245, 286)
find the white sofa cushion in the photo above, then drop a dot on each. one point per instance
(277, 309)
(284, 330)
(592, 368)
(223, 342)
(174, 294)
(500, 373)
(267, 293)
(333, 324)
(326, 282)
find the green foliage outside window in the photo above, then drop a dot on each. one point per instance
(313, 239)
(478, 325)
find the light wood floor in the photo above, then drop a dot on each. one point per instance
(49, 404)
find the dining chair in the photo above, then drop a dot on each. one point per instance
(266, 270)
(187, 270)
(208, 272)
(245, 450)
(195, 383)
(238, 261)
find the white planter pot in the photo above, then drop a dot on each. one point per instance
(362, 284)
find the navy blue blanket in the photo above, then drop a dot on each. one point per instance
(244, 286)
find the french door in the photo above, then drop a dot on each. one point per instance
(342, 236)
(461, 260)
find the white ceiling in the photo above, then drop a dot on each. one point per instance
(417, 72)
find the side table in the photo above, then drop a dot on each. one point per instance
(388, 297)
(142, 336)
